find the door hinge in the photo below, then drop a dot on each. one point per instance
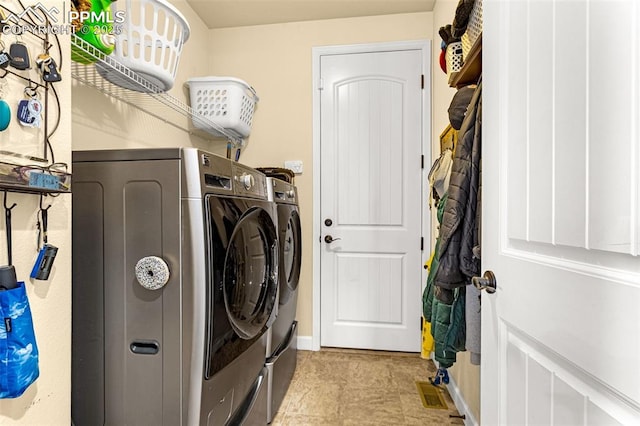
(421, 324)
(421, 243)
(320, 84)
(422, 81)
(422, 162)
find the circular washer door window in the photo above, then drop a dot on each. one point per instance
(250, 268)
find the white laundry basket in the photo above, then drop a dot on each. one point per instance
(474, 29)
(149, 43)
(228, 102)
(453, 57)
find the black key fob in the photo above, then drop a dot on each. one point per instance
(5, 58)
(19, 56)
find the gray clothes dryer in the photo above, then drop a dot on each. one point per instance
(282, 335)
(190, 352)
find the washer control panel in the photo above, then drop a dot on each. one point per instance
(248, 181)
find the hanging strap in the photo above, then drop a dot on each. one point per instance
(43, 223)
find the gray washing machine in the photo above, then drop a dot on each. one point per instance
(282, 336)
(190, 352)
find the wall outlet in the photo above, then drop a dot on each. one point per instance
(294, 165)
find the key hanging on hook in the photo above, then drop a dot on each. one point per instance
(19, 54)
(48, 67)
(30, 109)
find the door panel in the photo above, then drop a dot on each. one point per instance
(371, 143)
(370, 281)
(560, 213)
(124, 211)
(369, 111)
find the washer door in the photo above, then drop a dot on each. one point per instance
(250, 271)
(291, 254)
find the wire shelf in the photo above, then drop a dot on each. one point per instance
(143, 95)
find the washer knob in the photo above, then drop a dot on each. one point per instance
(291, 194)
(247, 180)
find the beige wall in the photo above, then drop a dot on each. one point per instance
(277, 61)
(47, 401)
(466, 375)
(99, 122)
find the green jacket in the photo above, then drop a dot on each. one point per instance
(444, 309)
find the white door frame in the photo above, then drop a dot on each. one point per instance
(317, 53)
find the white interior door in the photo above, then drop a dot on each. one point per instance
(561, 220)
(371, 146)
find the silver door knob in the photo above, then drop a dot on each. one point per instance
(329, 239)
(486, 282)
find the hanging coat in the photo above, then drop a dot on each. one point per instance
(427, 295)
(444, 310)
(459, 230)
(448, 324)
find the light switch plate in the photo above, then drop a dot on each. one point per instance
(294, 165)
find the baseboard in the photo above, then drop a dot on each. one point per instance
(305, 343)
(460, 403)
(458, 400)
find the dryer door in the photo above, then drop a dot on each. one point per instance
(290, 252)
(250, 273)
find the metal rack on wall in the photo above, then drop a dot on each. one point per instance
(150, 99)
(34, 179)
(38, 176)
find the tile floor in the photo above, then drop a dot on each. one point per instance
(345, 387)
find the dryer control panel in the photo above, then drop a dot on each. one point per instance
(284, 192)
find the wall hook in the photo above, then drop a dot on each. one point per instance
(7, 218)
(5, 203)
(41, 199)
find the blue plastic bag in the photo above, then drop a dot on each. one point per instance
(18, 349)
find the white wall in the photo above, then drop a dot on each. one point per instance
(48, 400)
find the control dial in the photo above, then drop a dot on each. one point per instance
(291, 194)
(247, 180)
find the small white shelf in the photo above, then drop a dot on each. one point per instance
(150, 99)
